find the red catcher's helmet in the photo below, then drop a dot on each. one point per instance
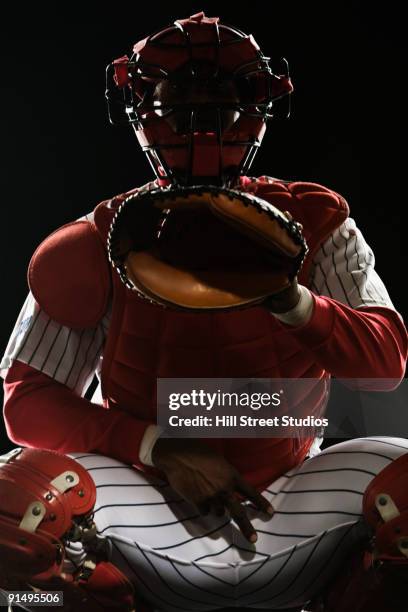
(197, 49)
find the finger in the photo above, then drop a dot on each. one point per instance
(290, 217)
(238, 513)
(254, 496)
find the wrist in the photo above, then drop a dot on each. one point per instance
(301, 313)
(285, 300)
(151, 436)
(161, 449)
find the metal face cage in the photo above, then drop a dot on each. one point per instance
(130, 83)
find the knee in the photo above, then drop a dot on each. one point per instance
(385, 510)
(386, 447)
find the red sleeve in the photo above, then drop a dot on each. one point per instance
(40, 412)
(360, 343)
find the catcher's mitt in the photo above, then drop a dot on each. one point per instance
(204, 247)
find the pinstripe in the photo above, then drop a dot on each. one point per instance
(332, 451)
(348, 469)
(140, 580)
(63, 354)
(313, 512)
(325, 282)
(50, 349)
(215, 554)
(383, 296)
(315, 491)
(152, 525)
(162, 503)
(275, 596)
(216, 578)
(75, 357)
(345, 248)
(350, 275)
(33, 354)
(196, 586)
(205, 535)
(287, 535)
(384, 442)
(353, 272)
(340, 280)
(256, 570)
(86, 455)
(364, 272)
(271, 580)
(327, 561)
(85, 359)
(241, 548)
(362, 269)
(166, 583)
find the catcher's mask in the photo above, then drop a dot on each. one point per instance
(198, 94)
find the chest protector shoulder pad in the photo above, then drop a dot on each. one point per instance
(69, 275)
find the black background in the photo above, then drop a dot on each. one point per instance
(60, 156)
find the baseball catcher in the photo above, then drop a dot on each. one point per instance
(205, 272)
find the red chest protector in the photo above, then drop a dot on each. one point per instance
(70, 276)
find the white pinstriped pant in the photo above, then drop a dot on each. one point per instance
(180, 561)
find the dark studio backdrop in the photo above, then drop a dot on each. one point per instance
(60, 156)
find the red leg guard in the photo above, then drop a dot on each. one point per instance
(359, 588)
(375, 579)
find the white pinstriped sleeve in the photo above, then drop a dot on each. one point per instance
(343, 269)
(69, 356)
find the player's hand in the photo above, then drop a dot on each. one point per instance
(284, 300)
(203, 477)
